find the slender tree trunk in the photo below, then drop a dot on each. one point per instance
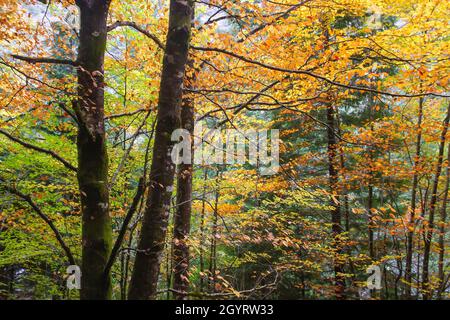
(342, 167)
(127, 263)
(411, 222)
(92, 156)
(334, 203)
(371, 218)
(430, 227)
(441, 274)
(419, 259)
(371, 226)
(303, 288)
(345, 196)
(182, 219)
(213, 249)
(399, 275)
(122, 276)
(169, 268)
(133, 226)
(202, 232)
(5, 280)
(144, 279)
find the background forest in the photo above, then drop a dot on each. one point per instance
(91, 90)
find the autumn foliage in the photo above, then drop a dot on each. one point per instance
(358, 90)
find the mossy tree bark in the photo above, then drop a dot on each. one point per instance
(92, 156)
(144, 279)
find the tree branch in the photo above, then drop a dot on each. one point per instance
(137, 28)
(53, 154)
(127, 152)
(125, 114)
(317, 76)
(34, 60)
(225, 294)
(44, 217)
(139, 192)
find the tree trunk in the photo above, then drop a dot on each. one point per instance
(144, 278)
(371, 155)
(345, 196)
(369, 210)
(202, 231)
(441, 266)
(92, 156)
(411, 222)
(182, 219)
(334, 203)
(429, 228)
(214, 234)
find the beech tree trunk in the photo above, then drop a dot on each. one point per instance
(144, 279)
(182, 219)
(434, 196)
(443, 222)
(370, 187)
(213, 245)
(92, 156)
(411, 222)
(202, 231)
(334, 203)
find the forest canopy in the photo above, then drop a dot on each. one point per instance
(224, 149)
